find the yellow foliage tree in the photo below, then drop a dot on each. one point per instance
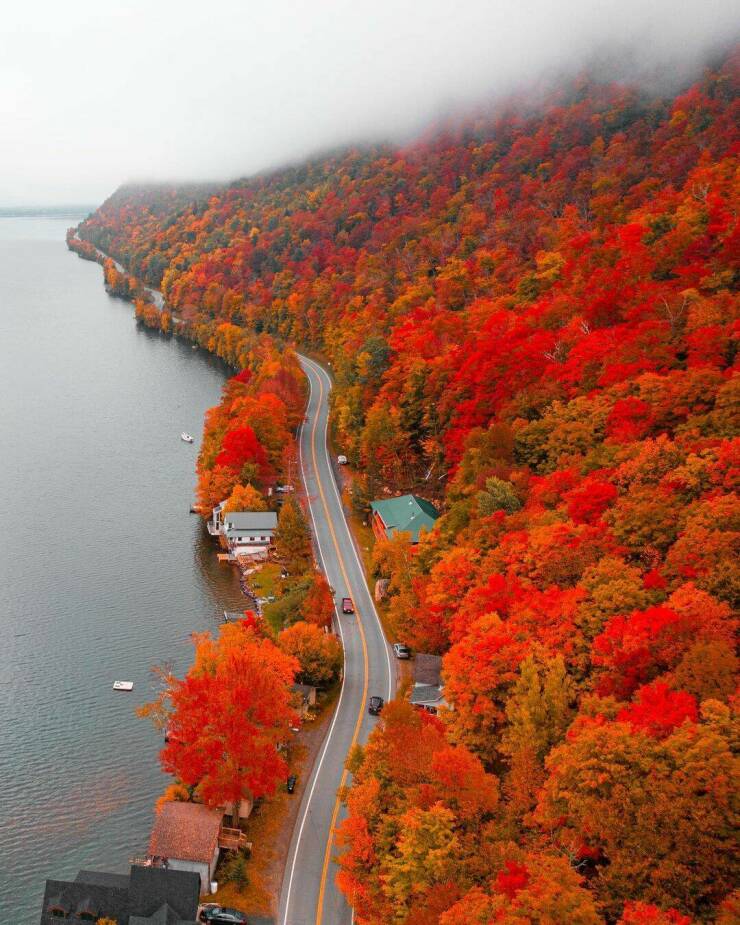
(245, 498)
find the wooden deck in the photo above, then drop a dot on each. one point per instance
(233, 840)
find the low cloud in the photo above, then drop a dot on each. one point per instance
(94, 94)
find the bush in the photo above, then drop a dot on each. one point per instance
(234, 870)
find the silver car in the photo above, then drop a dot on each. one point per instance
(401, 651)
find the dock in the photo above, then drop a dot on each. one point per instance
(233, 616)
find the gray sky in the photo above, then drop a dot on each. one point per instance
(97, 92)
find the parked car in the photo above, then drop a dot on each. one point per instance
(401, 651)
(291, 782)
(207, 908)
(347, 605)
(375, 705)
(426, 708)
(342, 460)
(225, 916)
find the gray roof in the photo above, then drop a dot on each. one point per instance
(251, 520)
(426, 693)
(428, 669)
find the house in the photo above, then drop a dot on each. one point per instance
(186, 837)
(305, 694)
(248, 532)
(244, 533)
(248, 528)
(428, 691)
(407, 514)
(145, 896)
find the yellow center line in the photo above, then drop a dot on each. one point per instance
(355, 734)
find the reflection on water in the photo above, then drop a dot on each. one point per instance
(103, 571)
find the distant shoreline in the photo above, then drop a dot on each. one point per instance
(44, 211)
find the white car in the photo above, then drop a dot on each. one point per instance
(342, 460)
(401, 651)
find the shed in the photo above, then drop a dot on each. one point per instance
(305, 695)
(186, 835)
(405, 514)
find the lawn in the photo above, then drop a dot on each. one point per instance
(267, 581)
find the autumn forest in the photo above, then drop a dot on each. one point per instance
(531, 316)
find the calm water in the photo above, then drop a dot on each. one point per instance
(103, 572)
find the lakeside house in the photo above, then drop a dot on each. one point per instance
(405, 514)
(185, 836)
(244, 533)
(144, 896)
(191, 836)
(428, 690)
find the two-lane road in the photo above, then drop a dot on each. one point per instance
(309, 895)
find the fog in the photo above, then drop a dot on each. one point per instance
(94, 93)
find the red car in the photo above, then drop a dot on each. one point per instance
(347, 605)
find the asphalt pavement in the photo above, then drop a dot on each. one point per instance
(309, 895)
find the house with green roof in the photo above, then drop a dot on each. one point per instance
(407, 514)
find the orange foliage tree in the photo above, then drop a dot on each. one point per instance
(226, 716)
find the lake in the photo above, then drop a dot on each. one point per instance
(104, 573)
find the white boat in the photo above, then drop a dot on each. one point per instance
(123, 685)
(186, 437)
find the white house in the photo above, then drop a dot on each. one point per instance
(244, 533)
(249, 532)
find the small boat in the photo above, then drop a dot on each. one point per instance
(123, 685)
(186, 437)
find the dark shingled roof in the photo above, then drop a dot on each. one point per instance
(103, 878)
(109, 901)
(153, 887)
(428, 669)
(147, 896)
(186, 832)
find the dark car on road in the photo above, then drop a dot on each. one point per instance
(290, 783)
(221, 915)
(375, 705)
(347, 605)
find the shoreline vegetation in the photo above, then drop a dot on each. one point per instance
(532, 322)
(254, 664)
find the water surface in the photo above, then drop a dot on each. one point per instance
(103, 571)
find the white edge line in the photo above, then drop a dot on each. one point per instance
(352, 543)
(317, 772)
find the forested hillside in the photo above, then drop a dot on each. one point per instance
(532, 318)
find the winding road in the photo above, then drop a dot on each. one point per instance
(309, 895)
